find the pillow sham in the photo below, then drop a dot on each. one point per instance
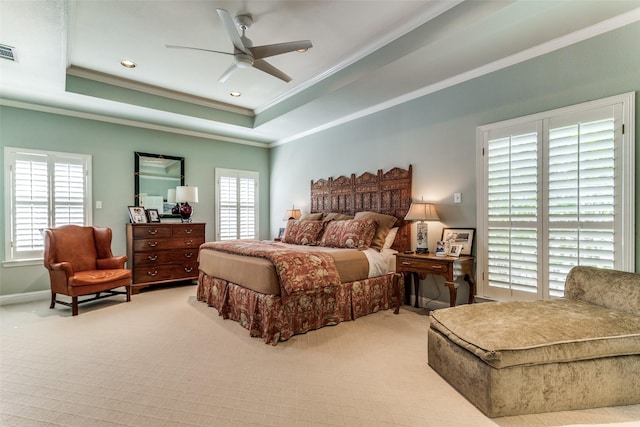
(391, 237)
(300, 232)
(311, 217)
(349, 233)
(336, 216)
(385, 222)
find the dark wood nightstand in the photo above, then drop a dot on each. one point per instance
(417, 266)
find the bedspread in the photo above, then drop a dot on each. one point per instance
(298, 271)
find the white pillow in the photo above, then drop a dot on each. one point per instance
(391, 236)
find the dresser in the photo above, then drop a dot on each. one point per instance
(161, 253)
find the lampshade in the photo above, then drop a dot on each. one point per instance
(422, 212)
(186, 194)
(292, 213)
(171, 195)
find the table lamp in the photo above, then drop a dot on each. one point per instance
(186, 195)
(422, 212)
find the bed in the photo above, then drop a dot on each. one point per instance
(333, 265)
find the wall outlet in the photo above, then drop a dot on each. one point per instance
(457, 197)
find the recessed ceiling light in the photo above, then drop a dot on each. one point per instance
(235, 94)
(302, 50)
(127, 63)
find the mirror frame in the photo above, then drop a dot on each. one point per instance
(137, 156)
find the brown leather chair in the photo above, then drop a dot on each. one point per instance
(80, 262)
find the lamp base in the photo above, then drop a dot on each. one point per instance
(185, 212)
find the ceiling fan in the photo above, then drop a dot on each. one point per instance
(246, 55)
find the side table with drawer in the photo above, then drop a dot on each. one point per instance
(161, 253)
(418, 266)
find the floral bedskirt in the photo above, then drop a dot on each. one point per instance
(279, 317)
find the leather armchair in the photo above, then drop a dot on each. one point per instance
(80, 262)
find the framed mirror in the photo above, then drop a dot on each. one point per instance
(156, 179)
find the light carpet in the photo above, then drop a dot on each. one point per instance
(165, 359)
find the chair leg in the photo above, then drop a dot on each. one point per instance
(128, 288)
(74, 306)
(53, 300)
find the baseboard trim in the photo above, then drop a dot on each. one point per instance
(24, 297)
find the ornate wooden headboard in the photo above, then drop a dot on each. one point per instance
(388, 193)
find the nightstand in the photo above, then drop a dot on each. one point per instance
(417, 266)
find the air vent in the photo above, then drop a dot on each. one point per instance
(6, 52)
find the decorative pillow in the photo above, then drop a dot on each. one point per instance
(303, 232)
(391, 237)
(350, 233)
(311, 216)
(385, 222)
(336, 216)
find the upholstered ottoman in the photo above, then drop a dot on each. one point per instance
(513, 358)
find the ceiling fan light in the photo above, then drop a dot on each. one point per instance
(244, 60)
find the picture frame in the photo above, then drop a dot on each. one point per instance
(440, 248)
(281, 233)
(460, 236)
(153, 215)
(137, 215)
(454, 250)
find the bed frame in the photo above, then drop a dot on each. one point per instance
(388, 193)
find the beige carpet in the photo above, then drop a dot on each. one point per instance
(165, 359)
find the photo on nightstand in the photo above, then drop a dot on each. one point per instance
(455, 250)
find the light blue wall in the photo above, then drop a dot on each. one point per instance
(436, 133)
(112, 147)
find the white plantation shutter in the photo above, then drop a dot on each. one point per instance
(236, 196)
(45, 189)
(555, 191)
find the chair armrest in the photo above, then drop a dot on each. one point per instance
(62, 266)
(113, 263)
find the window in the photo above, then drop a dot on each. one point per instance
(555, 191)
(45, 189)
(237, 204)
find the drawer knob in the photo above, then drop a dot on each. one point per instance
(153, 231)
(188, 255)
(188, 269)
(188, 230)
(188, 242)
(153, 244)
(152, 273)
(152, 257)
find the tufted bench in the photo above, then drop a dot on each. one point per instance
(513, 358)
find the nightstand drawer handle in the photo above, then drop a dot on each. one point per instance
(152, 244)
(152, 273)
(152, 257)
(406, 263)
(188, 269)
(436, 267)
(152, 231)
(188, 255)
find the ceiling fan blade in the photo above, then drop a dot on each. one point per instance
(279, 48)
(230, 28)
(263, 65)
(223, 78)
(172, 46)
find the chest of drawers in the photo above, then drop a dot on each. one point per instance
(161, 253)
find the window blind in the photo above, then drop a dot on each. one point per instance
(237, 204)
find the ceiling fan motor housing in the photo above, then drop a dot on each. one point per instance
(243, 60)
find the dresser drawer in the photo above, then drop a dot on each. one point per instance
(145, 232)
(420, 266)
(165, 272)
(188, 230)
(145, 245)
(165, 257)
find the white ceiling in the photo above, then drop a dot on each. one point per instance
(366, 56)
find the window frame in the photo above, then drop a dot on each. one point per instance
(11, 154)
(236, 173)
(625, 187)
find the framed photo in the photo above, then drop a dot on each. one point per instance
(137, 215)
(153, 215)
(281, 233)
(454, 250)
(460, 236)
(440, 248)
